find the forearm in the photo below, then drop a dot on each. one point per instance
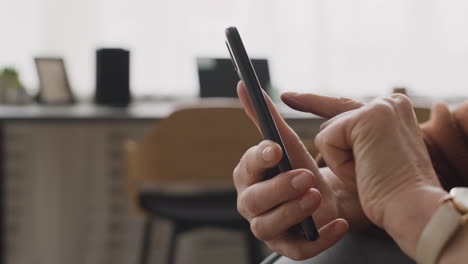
(407, 218)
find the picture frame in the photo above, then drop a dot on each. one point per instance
(54, 86)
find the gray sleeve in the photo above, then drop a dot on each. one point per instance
(370, 246)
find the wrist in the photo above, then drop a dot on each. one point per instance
(406, 215)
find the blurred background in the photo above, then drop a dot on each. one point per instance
(67, 109)
(333, 47)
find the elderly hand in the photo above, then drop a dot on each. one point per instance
(378, 145)
(275, 205)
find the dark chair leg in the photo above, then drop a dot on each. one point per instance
(254, 248)
(171, 253)
(146, 242)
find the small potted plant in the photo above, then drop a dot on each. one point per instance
(12, 91)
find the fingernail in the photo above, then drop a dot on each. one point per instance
(307, 202)
(339, 229)
(290, 94)
(293, 98)
(301, 181)
(267, 154)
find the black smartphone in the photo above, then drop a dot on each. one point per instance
(246, 72)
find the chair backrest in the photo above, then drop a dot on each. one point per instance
(199, 146)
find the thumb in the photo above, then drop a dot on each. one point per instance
(295, 148)
(440, 119)
(440, 113)
(324, 106)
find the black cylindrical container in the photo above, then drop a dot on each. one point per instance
(112, 77)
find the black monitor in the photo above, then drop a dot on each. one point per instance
(217, 77)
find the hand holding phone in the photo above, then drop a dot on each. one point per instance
(246, 72)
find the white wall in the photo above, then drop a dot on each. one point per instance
(340, 47)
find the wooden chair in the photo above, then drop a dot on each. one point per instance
(189, 157)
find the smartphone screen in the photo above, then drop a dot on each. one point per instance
(243, 67)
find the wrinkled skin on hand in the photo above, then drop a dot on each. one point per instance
(379, 147)
(375, 154)
(275, 205)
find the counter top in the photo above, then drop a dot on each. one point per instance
(135, 111)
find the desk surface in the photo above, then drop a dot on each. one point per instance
(136, 111)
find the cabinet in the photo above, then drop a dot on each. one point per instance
(64, 199)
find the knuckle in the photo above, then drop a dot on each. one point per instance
(297, 254)
(291, 213)
(381, 109)
(400, 98)
(295, 211)
(402, 101)
(305, 205)
(258, 229)
(241, 207)
(252, 160)
(390, 108)
(279, 182)
(384, 107)
(236, 173)
(320, 140)
(274, 246)
(246, 203)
